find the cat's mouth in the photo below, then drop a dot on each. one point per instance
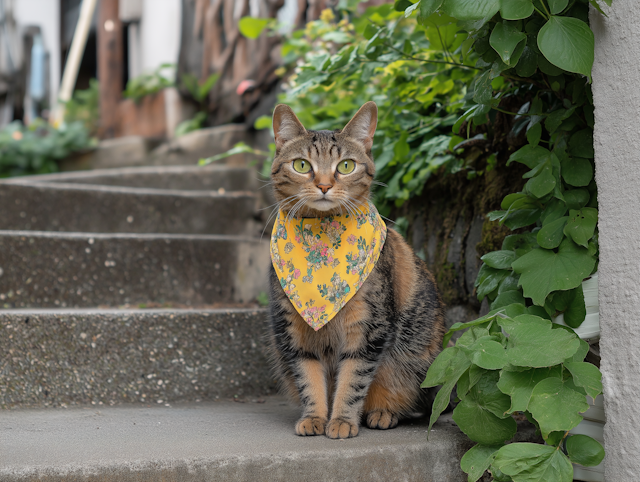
(322, 204)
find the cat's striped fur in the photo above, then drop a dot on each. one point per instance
(370, 359)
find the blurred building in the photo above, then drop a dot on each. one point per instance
(37, 34)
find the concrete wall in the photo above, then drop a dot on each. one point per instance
(46, 15)
(159, 33)
(616, 75)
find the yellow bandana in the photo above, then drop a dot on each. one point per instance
(337, 253)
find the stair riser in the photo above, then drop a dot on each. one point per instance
(98, 209)
(110, 357)
(56, 270)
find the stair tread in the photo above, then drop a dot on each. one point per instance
(215, 441)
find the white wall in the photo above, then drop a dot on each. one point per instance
(159, 33)
(46, 15)
(616, 95)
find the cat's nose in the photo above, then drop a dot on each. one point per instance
(324, 187)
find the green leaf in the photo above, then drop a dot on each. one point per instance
(481, 415)
(534, 133)
(488, 280)
(477, 460)
(543, 183)
(587, 376)
(543, 271)
(528, 63)
(555, 406)
(557, 6)
(583, 450)
(402, 5)
(530, 156)
(554, 210)
(504, 40)
(410, 8)
(428, 8)
(487, 354)
(519, 385)
(577, 171)
(576, 311)
(499, 259)
(483, 91)
(252, 27)
(471, 9)
(515, 9)
(528, 462)
(581, 225)
(576, 198)
(457, 367)
(506, 298)
(581, 144)
(532, 342)
(262, 122)
(438, 369)
(580, 354)
(567, 43)
(550, 236)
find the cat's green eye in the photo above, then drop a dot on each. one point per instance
(302, 166)
(346, 167)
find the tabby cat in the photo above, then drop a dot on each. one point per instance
(369, 360)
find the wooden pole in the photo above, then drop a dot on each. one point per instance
(110, 66)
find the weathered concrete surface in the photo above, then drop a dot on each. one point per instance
(110, 209)
(617, 155)
(112, 153)
(182, 178)
(40, 269)
(105, 357)
(217, 441)
(203, 143)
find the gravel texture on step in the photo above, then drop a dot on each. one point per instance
(75, 207)
(43, 269)
(222, 441)
(106, 357)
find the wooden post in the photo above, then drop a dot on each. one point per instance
(110, 66)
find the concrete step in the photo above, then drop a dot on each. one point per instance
(58, 358)
(217, 441)
(187, 178)
(75, 207)
(46, 269)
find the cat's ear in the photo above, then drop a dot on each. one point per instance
(286, 125)
(363, 125)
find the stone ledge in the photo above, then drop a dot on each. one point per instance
(89, 208)
(45, 269)
(67, 357)
(216, 441)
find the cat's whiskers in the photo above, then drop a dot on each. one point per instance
(276, 210)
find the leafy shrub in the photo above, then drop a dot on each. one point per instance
(36, 148)
(84, 107)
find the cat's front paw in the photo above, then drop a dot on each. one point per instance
(382, 419)
(310, 426)
(341, 428)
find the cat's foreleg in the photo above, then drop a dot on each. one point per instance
(356, 370)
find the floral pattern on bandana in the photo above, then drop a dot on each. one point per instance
(336, 253)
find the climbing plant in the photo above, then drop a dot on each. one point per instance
(440, 72)
(537, 56)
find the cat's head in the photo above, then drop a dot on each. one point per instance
(322, 173)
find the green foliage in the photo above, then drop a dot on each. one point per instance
(199, 92)
(84, 107)
(150, 83)
(505, 364)
(36, 148)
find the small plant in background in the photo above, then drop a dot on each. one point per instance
(150, 83)
(199, 92)
(84, 107)
(37, 148)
